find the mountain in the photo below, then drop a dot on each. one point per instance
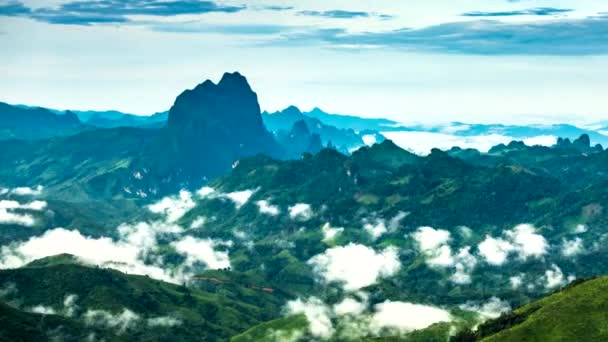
(379, 244)
(343, 139)
(299, 140)
(575, 313)
(35, 123)
(208, 129)
(352, 122)
(85, 300)
(225, 118)
(112, 119)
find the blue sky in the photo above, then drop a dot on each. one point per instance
(412, 61)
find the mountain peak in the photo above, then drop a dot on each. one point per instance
(234, 81)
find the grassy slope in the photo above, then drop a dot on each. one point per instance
(205, 314)
(578, 313)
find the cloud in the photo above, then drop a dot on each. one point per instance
(429, 239)
(572, 247)
(554, 277)
(329, 232)
(522, 240)
(239, 197)
(174, 207)
(406, 317)
(493, 308)
(205, 192)
(350, 306)
(336, 14)
(355, 266)
(197, 250)
(495, 251)
(375, 230)
(13, 9)
(43, 310)
(565, 37)
(121, 255)
(69, 305)
(538, 11)
(434, 244)
(87, 12)
(378, 227)
(266, 208)
(423, 142)
(164, 321)
(516, 281)
(198, 222)
(27, 191)
(121, 322)
(464, 263)
(317, 314)
(580, 229)
(300, 211)
(9, 216)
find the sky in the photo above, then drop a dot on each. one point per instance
(481, 61)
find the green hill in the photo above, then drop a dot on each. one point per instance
(577, 313)
(83, 298)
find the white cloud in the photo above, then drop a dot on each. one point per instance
(495, 251)
(464, 263)
(121, 322)
(423, 142)
(69, 305)
(301, 211)
(137, 243)
(376, 229)
(355, 265)
(488, 310)
(379, 226)
(554, 277)
(527, 242)
(329, 232)
(44, 310)
(572, 247)
(26, 191)
(580, 229)
(174, 207)
(198, 222)
(197, 250)
(266, 208)
(522, 240)
(434, 244)
(8, 216)
(516, 281)
(406, 317)
(317, 314)
(205, 191)
(164, 321)
(239, 197)
(369, 139)
(103, 251)
(429, 239)
(350, 306)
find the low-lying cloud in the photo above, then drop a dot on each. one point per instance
(522, 240)
(355, 266)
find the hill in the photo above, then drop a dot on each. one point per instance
(36, 123)
(578, 312)
(87, 299)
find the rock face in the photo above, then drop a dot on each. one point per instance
(212, 125)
